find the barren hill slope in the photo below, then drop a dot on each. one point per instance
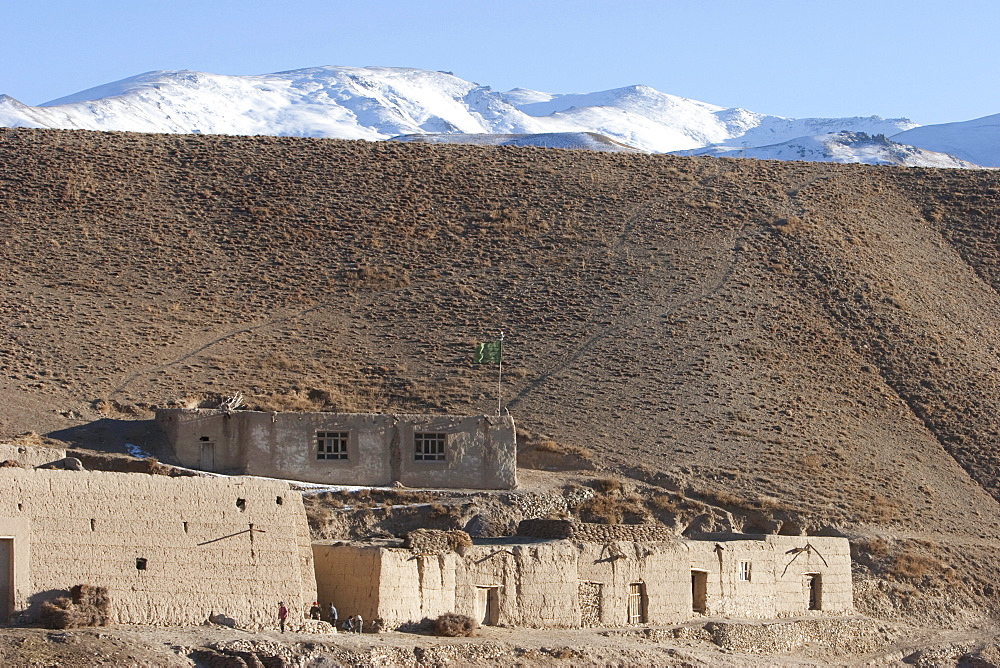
(810, 337)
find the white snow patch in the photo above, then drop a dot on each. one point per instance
(136, 451)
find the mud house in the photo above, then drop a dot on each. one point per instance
(175, 551)
(171, 551)
(590, 579)
(476, 452)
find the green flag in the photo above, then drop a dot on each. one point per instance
(487, 353)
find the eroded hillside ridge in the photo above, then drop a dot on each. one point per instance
(810, 336)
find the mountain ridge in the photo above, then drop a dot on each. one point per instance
(378, 103)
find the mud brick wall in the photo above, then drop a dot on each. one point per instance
(29, 455)
(563, 583)
(171, 551)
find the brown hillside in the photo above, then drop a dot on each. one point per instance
(814, 338)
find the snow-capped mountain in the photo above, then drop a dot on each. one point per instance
(843, 146)
(976, 141)
(378, 103)
(590, 141)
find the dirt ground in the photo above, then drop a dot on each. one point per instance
(215, 646)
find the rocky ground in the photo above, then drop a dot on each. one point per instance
(813, 642)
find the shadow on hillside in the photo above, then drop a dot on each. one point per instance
(112, 436)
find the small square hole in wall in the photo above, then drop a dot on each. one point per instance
(140, 563)
(278, 500)
(241, 504)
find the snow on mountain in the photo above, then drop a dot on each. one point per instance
(977, 140)
(378, 103)
(350, 103)
(590, 141)
(841, 146)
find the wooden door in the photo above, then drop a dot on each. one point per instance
(699, 592)
(488, 605)
(636, 604)
(6, 579)
(207, 456)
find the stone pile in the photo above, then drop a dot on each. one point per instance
(593, 533)
(435, 541)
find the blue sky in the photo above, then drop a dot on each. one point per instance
(929, 60)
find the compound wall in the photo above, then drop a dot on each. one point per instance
(563, 583)
(171, 551)
(30, 455)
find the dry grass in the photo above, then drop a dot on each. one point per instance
(453, 625)
(604, 509)
(914, 566)
(664, 502)
(608, 486)
(643, 328)
(86, 605)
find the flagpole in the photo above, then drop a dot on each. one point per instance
(500, 374)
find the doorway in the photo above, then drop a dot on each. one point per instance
(699, 592)
(814, 590)
(207, 458)
(589, 598)
(488, 605)
(637, 603)
(6, 579)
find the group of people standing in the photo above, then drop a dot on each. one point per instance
(353, 624)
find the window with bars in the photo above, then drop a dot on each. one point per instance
(428, 447)
(745, 571)
(331, 444)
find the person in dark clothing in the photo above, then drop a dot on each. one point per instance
(282, 615)
(315, 611)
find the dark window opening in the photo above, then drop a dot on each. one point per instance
(428, 447)
(331, 444)
(204, 438)
(814, 587)
(20, 506)
(93, 525)
(241, 504)
(185, 527)
(140, 563)
(278, 500)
